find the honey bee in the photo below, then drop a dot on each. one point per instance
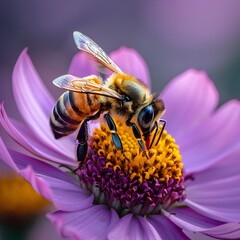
(121, 95)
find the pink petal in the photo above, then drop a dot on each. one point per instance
(92, 223)
(166, 229)
(59, 187)
(133, 227)
(35, 103)
(25, 138)
(82, 65)
(189, 99)
(131, 62)
(215, 192)
(213, 139)
(190, 220)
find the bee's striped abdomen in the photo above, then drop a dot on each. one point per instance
(70, 110)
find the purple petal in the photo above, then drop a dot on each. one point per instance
(212, 139)
(82, 65)
(133, 227)
(58, 187)
(192, 221)
(92, 223)
(131, 62)
(25, 138)
(164, 226)
(226, 231)
(92, 126)
(35, 103)
(215, 192)
(198, 236)
(189, 99)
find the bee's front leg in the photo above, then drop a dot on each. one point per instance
(113, 129)
(136, 134)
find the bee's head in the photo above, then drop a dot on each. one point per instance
(148, 115)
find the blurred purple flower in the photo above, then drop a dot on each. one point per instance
(210, 148)
(20, 207)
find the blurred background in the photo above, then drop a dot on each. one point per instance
(172, 36)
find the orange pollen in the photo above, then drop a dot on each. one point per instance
(162, 162)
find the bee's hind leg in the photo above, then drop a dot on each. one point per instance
(82, 146)
(82, 138)
(82, 142)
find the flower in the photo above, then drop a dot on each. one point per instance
(130, 195)
(22, 209)
(19, 206)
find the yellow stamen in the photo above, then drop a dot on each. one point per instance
(18, 198)
(161, 162)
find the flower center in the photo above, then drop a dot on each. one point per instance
(132, 180)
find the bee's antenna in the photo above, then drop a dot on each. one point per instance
(156, 131)
(156, 126)
(156, 95)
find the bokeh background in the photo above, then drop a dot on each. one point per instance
(172, 36)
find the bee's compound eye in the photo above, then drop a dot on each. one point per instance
(146, 117)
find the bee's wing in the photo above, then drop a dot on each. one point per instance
(86, 44)
(85, 85)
